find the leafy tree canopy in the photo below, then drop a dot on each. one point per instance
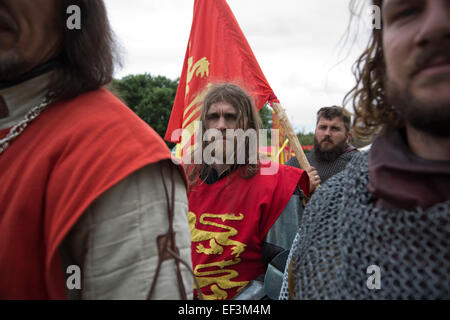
(150, 97)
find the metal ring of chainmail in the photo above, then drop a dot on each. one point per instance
(342, 234)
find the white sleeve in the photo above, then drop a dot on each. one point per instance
(115, 245)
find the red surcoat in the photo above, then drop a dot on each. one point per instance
(229, 220)
(65, 159)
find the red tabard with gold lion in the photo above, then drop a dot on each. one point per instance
(229, 220)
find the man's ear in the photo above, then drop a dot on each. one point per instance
(349, 136)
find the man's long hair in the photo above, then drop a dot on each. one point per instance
(247, 118)
(372, 113)
(88, 56)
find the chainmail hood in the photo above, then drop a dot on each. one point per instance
(327, 169)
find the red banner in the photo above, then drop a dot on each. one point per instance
(217, 52)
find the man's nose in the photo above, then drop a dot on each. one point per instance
(221, 123)
(436, 24)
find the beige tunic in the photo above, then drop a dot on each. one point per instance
(114, 242)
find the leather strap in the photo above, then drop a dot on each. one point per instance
(167, 248)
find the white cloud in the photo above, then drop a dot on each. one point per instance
(296, 42)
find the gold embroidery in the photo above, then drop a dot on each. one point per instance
(200, 69)
(217, 240)
(197, 102)
(190, 114)
(218, 282)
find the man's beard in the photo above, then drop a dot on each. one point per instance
(235, 150)
(331, 154)
(232, 152)
(225, 153)
(426, 116)
(12, 65)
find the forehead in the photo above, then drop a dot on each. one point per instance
(335, 122)
(41, 8)
(221, 107)
(392, 4)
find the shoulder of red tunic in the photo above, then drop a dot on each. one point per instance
(281, 180)
(288, 174)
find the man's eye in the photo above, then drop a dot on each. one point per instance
(405, 13)
(212, 117)
(231, 117)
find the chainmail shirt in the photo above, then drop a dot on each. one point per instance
(343, 233)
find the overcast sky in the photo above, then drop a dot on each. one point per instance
(298, 44)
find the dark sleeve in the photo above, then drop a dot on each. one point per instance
(283, 231)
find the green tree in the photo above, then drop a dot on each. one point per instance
(266, 116)
(150, 97)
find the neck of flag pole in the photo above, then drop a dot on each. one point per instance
(293, 139)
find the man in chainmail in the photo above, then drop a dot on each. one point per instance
(331, 151)
(380, 229)
(90, 200)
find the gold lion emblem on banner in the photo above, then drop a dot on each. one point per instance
(217, 242)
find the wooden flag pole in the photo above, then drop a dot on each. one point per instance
(293, 139)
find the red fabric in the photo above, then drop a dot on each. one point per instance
(65, 159)
(246, 209)
(217, 38)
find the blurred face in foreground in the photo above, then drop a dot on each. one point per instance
(29, 35)
(416, 46)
